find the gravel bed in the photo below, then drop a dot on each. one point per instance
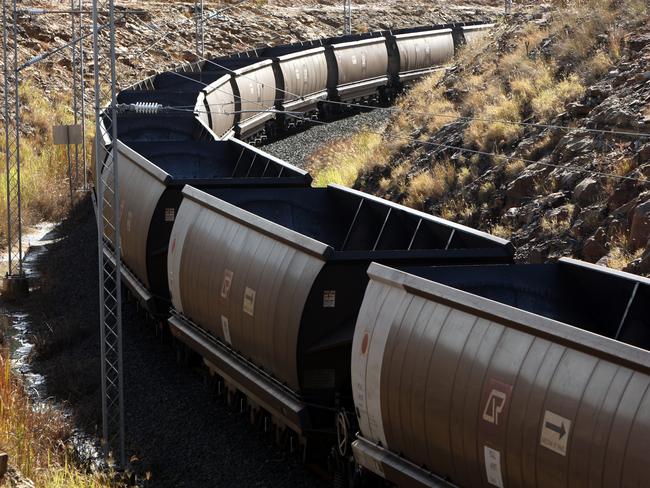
(296, 148)
(176, 427)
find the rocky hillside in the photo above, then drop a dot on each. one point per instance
(157, 35)
(540, 135)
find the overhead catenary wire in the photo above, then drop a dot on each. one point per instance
(403, 136)
(184, 30)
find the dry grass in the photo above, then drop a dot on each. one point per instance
(621, 253)
(35, 438)
(433, 184)
(497, 125)
(44, 167)
(485, 191)
(554, 225)
(623, 166)
(465, 176)
(502, 231)
(551, 101)
(458, 210)
(342, 161)
(513, 167)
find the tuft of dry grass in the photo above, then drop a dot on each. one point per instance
(497, 125)
(554, 225)
(433, 184)
(551, 101)
(485, 192)
(502, 231)
(621, 253)
(458, 210)
(623, 166)
(513, 168)
(342, 161)
(35, 438)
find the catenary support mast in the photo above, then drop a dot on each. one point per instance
(108, 224)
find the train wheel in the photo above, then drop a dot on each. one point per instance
(342, 434)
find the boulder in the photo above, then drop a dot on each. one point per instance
(587, 221)
(624, 192)
(522, 187)
(586, 191)
(577, 109)
(640, 228)
(643, 156)
(615, 112)
(636, 42)
(595, 247)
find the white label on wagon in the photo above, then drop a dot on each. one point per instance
(329, 298)
(249, 301)
(170, 214)
(226, 329)
(493, 466)
(227, 282)
(555, 432)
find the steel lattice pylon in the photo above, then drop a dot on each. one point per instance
(347, 17)
(11, 116)
(200, 33)
(108, 225)
(79, 90)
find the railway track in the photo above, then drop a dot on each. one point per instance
(400, 347)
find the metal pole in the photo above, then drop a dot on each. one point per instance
(75, 99)
(116, 202)
(7, 117)
(108, 226)
(347, 17)
(11, 113)
(200, 33)
(17, 102)
(82, 72)
(70, 170)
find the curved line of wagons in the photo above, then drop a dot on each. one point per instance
(407, 349)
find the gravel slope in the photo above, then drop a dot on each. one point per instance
(296, 148)
(175, 425)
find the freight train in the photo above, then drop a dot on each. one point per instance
(405, 348)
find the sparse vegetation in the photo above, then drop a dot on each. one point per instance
(522, 84)
(342, 161)
(504, 98)
(552, 100)
(431, 184)
(514, 167)
(35, 438)
(44, 166)
(621, 254)
(502, 231)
